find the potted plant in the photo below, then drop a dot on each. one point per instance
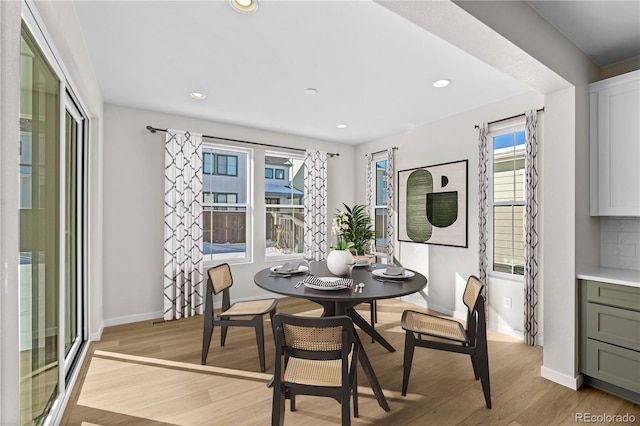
(354, 232)
(353, 224)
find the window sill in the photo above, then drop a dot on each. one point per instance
(506, 277)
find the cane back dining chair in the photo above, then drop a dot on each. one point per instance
(451, 335)
(243, 314)
(315, 356)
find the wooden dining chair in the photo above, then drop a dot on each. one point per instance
(315, 356)
(451, 335)
(238, 314)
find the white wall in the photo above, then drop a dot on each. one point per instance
(447, 268)
(572, 236)
(134, 200)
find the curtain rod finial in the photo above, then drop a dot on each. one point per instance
(151, 129)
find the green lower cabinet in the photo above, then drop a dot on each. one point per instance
(613, 364)
(610, 338)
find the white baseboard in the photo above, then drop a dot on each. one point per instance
(156, 315)
(95, 337)
(132, 318)
(560, 378)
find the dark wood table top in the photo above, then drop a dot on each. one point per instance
(373, 289)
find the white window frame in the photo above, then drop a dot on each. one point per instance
(495, 132)
(233, 258)
(281, 256)
(382, 156)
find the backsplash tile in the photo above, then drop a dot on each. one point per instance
(620, 242)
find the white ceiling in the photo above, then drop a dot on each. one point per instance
(607, 31)
(373, 69)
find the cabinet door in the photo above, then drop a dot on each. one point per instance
(619, 150)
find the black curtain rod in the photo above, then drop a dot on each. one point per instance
(383, 150)
(508, 118)
(156, 129)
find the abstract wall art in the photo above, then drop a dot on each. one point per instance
(432, 204)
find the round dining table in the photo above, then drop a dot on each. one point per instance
(343, 301)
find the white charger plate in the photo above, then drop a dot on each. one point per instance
(381, 273)
(301, 269)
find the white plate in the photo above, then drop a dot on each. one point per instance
(381, 273)
(301, 269)
(327, 284)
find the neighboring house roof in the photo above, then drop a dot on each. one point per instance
(281, 189)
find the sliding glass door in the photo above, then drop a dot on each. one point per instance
(52, 222)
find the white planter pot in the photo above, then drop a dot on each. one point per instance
(337, 262)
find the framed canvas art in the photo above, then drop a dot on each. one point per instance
(432, 204)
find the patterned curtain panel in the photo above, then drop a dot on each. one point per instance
(483, 204)
(315, 205)
(391, 233)
(371, 182)
(183, 278)
(531, 230)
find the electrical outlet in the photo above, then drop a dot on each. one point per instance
(507, 302)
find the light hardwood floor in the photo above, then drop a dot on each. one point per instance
(150, 374)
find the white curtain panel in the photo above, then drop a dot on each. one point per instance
(315, 205)
(391, 233)
(483, 205)
(183, 275)
(531, 230)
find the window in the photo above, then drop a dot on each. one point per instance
(268, 173)
(226, 228)
(225, 197)
(207, 167)
(226, 165)
(380, 208)
(284, 226)
(53, 208)
(507, 200)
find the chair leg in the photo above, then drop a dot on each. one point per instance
(355, 393)
(474, 363)
(223, 333)
(374, 317)
(206, 339)
(483, 365)
(260, 341)
(409, 346)
(271, 314)
(277, 410)
(346, 407)
(292, 401)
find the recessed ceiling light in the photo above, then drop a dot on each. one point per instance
(245, 6)
(197, 95)
(311, 91)
(441, 83)
(341, 126)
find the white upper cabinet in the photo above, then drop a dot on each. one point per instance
(615, 146)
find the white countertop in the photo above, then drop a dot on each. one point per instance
(626, 277)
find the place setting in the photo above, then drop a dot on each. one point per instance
(288, 269)
(392, 274)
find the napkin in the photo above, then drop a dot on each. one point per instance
(288, 267)
(318, 282)
(394, 270)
